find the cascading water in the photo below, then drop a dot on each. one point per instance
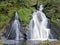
(15, 31)
(38, 26)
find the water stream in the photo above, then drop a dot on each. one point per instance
(38, 26)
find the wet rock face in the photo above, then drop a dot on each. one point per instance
(56, 31)
(1, 34)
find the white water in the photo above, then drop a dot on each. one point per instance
(38, 26)
(17, 27)
(15, 30)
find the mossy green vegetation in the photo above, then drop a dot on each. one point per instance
(46, 43)
(25, 15)
(1, 44)
(49, 43)
(7, 8)
(53, 12)
(25, 8)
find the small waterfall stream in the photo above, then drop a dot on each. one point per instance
(38, 26)
(14, 34)
(15, 30)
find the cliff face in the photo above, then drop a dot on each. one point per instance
(25, 8)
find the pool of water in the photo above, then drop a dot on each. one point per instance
(29, 42)
(13, 42)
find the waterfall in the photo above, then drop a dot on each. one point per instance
(14, 31)
(38, 29)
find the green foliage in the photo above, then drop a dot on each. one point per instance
(7, 10)
(26, 3)
(52, 10)
(25, 15)
(3, 20)
(24, 8)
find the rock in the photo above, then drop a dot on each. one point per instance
(55, 30)
(1, 34)
(4, 28)
(58, 19)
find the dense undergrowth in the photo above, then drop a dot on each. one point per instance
(25, 8)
